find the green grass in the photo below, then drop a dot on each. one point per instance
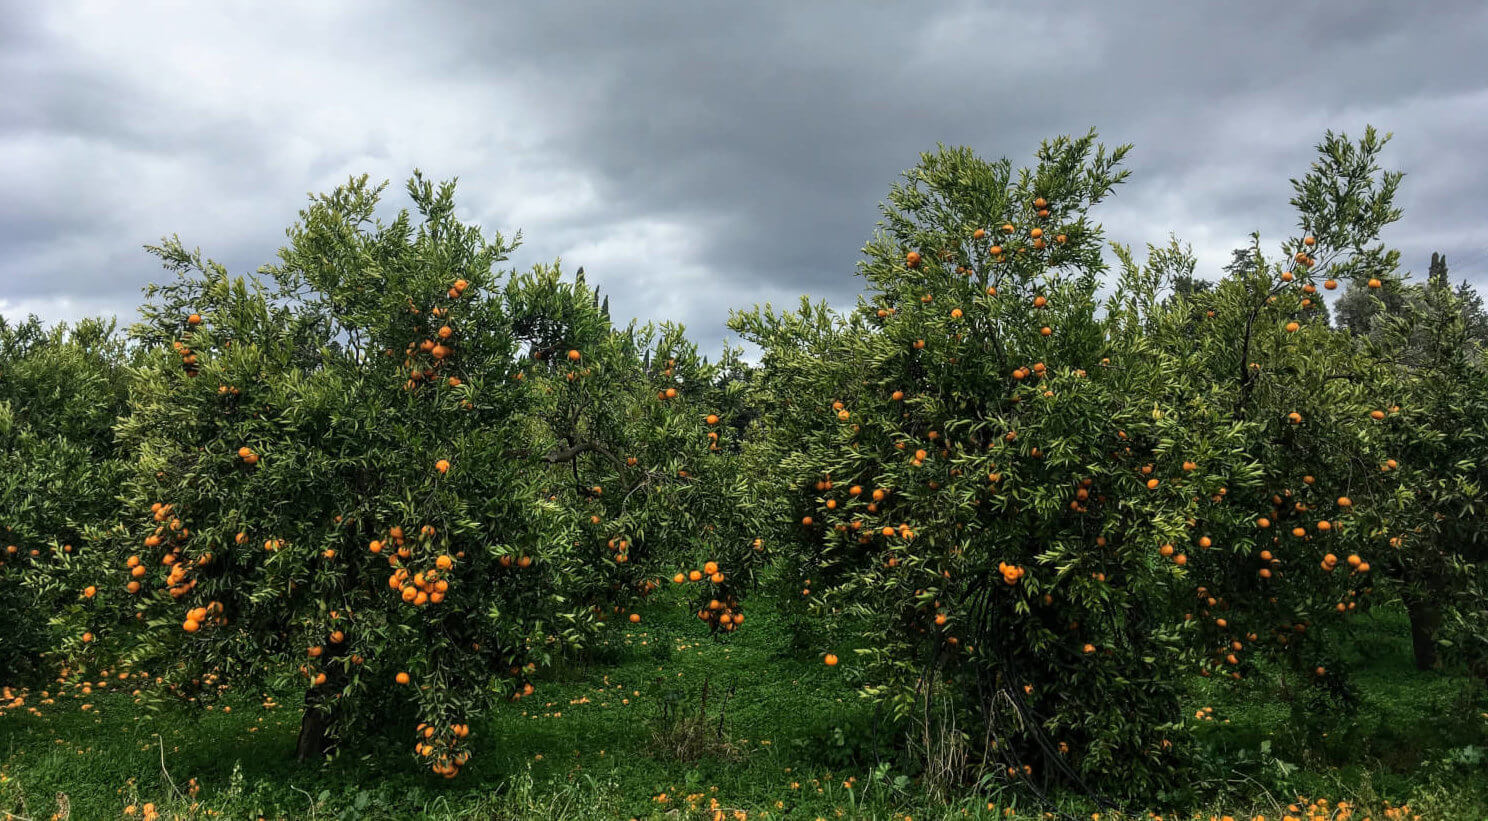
(583, 746)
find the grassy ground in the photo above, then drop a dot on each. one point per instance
(798, 746)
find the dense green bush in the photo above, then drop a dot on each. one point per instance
(395, 477)
(963, 456)
(60, 390)
(1015, 499)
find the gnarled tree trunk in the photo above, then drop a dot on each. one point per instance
(1425, 618)
(315, 739)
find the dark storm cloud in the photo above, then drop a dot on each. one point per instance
(700, 156)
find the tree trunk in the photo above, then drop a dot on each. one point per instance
(1425, 617)
(315, 740)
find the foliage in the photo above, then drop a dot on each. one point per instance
(957, 453)
(60, 390)
(1438, 533)
(1023, 496)
(1284, 556)
(589, 755)
(393, 477)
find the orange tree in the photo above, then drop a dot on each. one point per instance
(647, 436)
(1437, 537)
(1277, 565)
(980, 470)
(380, 480)
(687, 433)
(60, 391)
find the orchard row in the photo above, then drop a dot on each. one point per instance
(1010, 484)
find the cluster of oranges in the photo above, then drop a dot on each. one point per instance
(576, 372)
(1330, 562)
(198, 616)
(178, 581)
(710, 571)
(1011, 573)
(12, 699)
(1081, 502)
(420, 587)
(621, 549)
(670, 392)
(148, 812)
(711, 420)
(437, 347)
(876, 500)
(1321, 809)
(188, 356)
(442, 750)
(724, 614)
(1038, 369)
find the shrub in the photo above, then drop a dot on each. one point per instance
(60, 390)
(963, 455)
(392, 477)
(1280, 560)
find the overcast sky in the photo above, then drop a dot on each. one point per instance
(699, 156)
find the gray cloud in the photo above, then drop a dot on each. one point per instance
(697, 157)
